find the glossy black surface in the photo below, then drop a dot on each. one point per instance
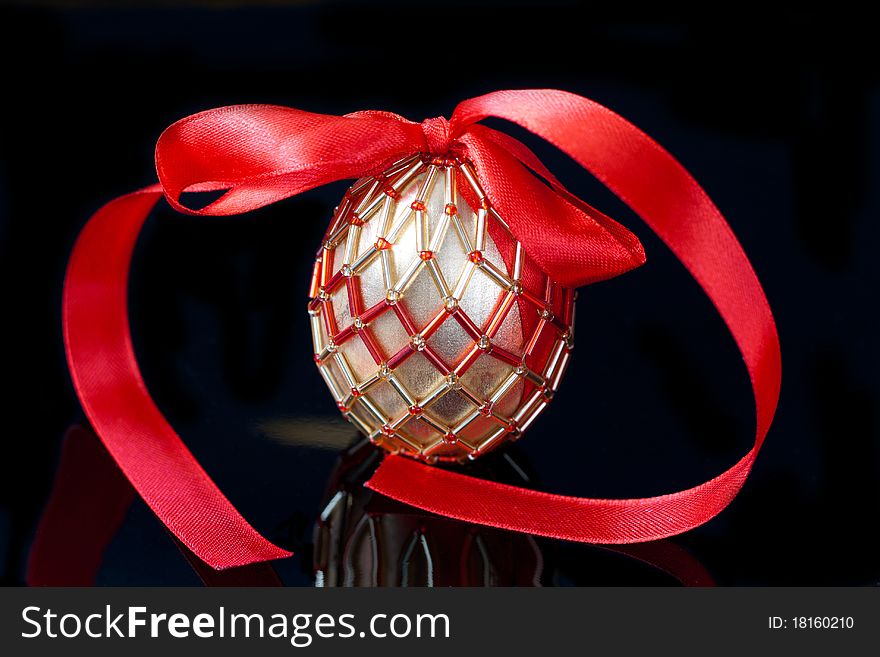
(778, 116)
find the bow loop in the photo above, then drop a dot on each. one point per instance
(570, 241)
(262, 154)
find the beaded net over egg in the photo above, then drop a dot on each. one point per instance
(437, 335)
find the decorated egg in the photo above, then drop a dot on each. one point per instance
(437, 335)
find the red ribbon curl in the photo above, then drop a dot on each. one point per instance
(260, 154)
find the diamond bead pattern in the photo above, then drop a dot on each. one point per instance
(436, 334)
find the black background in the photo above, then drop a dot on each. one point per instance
(776, 114)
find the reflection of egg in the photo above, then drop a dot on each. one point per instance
(360, 543)
(435, 332)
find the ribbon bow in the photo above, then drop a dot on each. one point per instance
(260, 154)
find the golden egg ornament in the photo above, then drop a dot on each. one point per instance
(437, 335)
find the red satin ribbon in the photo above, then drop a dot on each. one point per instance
(262, 154)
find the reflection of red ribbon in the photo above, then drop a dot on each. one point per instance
(87, 506)
(90, 498)
(262, 154)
